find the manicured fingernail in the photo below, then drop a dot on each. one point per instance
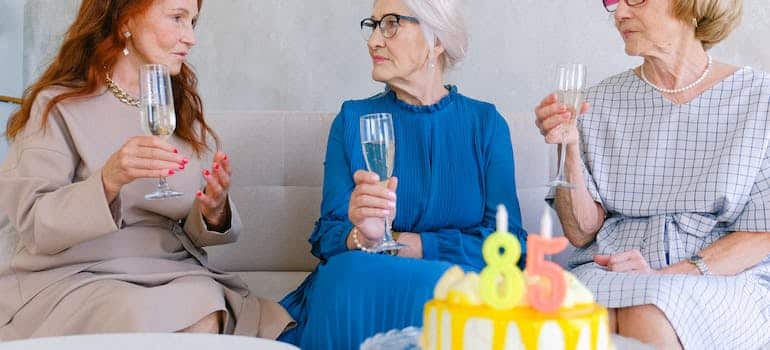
(171, 172)
(216, 167)
(206, 172)
(225, 158)
(185, 160)
(181, 167)
(199, 193)
(176, 151)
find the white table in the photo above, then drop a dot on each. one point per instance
(147, 341)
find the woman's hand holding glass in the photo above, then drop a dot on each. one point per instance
(555, 121)
(213, 198)
(140, 157)
(370, 204)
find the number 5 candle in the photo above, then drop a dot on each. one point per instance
(547, 286)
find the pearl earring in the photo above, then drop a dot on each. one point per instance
(127, 34)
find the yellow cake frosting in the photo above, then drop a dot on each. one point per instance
(457, 319)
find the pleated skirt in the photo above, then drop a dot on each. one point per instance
(355, 295)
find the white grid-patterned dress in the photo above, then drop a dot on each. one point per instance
(673, 179)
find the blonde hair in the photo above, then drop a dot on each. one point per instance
(443, 20)
(714, 19)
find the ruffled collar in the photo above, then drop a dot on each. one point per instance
(443, 102)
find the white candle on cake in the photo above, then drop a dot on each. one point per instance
(546, 227)
(501, 219)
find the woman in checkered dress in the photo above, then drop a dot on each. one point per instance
(671, 209)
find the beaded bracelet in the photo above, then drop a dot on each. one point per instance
(357, 243)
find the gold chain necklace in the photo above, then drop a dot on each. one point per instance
(121, 94)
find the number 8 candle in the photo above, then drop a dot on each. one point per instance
(501, 282)
(545, 297)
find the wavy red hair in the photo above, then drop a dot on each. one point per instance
(93, 43)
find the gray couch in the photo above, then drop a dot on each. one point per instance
(278, 174)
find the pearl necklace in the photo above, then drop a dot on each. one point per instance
(681, 89)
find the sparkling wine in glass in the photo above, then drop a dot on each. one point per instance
(570, 93)
(158, 116)
(379, 147)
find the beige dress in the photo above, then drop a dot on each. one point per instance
(85, 266)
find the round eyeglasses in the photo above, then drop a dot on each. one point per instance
(612, 5)
(388, 24)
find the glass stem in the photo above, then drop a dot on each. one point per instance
(388, 233)
(388, 237)
(162, 184)
(562, 156)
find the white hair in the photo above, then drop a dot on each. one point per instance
(443, 20)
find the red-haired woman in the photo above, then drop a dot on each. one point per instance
(94, 256)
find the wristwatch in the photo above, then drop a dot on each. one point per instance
(699, 263)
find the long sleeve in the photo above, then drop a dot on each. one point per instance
(331, 231)
(454, 161)
(48, 206)
(463, 246)
(195, 227)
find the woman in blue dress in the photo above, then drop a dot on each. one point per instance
(453, 166)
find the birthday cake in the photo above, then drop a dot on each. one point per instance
(544, 307)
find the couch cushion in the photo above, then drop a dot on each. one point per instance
(277, 222)
(273, 285)
(278, 174)
(277, 177)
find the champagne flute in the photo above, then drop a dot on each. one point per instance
(571, 93)
(158, 115)
(379, 147)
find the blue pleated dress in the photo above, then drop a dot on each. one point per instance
(454, 162)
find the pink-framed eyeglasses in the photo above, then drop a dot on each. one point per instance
(612, 5)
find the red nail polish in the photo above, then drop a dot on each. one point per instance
(225, 158)
(171, 172)
(184, 160)
(206, 172)
(176, 151)
(216, 167)
(181, 167)
(199, 193)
